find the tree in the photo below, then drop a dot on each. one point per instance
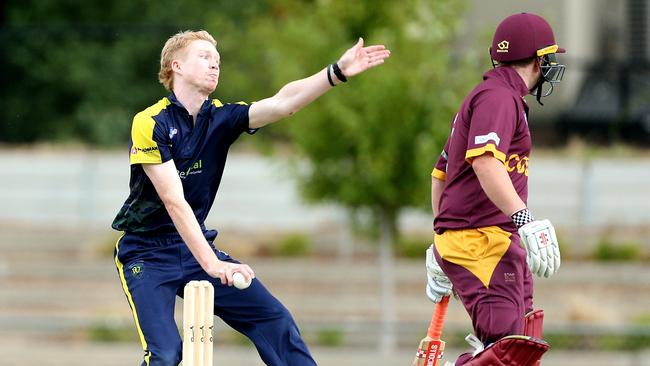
(79, 71)
(371, 144)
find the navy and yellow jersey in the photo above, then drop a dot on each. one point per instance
(165, 131)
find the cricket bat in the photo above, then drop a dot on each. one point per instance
(432, 347)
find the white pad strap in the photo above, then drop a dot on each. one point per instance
(475, 343)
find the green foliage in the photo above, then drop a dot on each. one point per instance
(643, 320)
(413, 247)
(293, 245)
(566, 252)
(630, 340)
(581, 339)
(372, 142)
(107, 333)
(79, 71)
(330, 337)
(235, 338)
(106, 247)
(607, 251)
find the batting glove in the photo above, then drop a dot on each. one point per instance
(438, 284)
(540, 241)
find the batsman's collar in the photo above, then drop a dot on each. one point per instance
(509, 76)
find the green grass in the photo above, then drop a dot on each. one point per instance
(608, 251)
(234, 337)
(107, 246)
(413, 247)
(632, 339)
(293, 245)
(330, 337)
(107, 333)
(643, 320)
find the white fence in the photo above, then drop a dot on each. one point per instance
(86, 188)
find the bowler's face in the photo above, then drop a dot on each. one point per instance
(200, 66)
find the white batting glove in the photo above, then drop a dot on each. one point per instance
(543, 251)
(438, 284)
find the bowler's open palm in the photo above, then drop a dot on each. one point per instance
(359, 58)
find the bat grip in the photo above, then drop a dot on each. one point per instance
(438, 319)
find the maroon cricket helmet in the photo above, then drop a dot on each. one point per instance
(521, 36)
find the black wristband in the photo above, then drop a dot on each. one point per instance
(329, 75)
(338, 72)
(522, 217)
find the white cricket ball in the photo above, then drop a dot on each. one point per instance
(239, 281)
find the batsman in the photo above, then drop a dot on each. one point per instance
(487, 244)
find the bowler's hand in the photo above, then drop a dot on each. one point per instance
(359, 58)
(224, 271)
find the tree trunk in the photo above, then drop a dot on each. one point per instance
(387, 234)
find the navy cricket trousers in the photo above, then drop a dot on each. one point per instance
(154, 269)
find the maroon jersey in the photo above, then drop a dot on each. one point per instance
(493, 119)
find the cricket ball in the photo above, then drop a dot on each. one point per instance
(239, 281)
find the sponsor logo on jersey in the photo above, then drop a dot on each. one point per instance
(517, 163)
(196, 168)
(482, 139)
(144, 150)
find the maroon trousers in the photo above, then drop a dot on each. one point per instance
(498, 309)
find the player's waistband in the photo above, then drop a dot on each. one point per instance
(441, 228)
(167, 237)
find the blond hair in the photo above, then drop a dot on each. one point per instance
(173, 46)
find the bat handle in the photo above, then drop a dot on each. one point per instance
(438, 319)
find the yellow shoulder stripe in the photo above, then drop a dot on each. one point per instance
(217, 103)
(145, 149)
(155, 109)
(489, 148)
(439, 174)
